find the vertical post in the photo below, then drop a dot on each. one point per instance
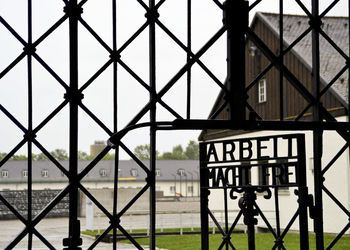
(30, 124)
(189, 26)
(236, 21)
(115, 118)
(282, 97)
(204, 194)
(152, 15)
(73, 10)
(302, 193)
(317, 134)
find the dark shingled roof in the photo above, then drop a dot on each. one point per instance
(167, 169)
(331, 61)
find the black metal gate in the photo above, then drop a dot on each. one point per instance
(235, 27)
(224, 169)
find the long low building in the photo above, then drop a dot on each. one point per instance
(173, 177)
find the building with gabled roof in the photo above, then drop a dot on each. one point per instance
(173, 176)
(264, 99)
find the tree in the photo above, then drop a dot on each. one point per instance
(19, 158)
(60, 154)
(176, 154)
(143, 152)
(40, 157)
(2, 156)
(192, 150)
(83, 156)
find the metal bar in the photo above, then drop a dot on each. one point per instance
(73, 240)
(189, 31)
(265, 220)
(133, 241)
(198, 61)
(329, 8)
(95, 201)
(216, 222)
(99, 239)
(336, 201)
(132, 38)
(12, 31)
(152, 15)
(96, 75)
(95, 35)
(281, 61)
(336, 239)
(254, 4)
(258, 125)
(13, 64)
(50, 30)
(133, 200)
(236, 22)
(137, 160)
(226, 218)
(12, 152)
(39, 217)
(48, 69)
(50, 116)
(302, 193)
(204, 193)
(317, 134)
(180, 73)
(30, 128)
(277, 214)
(95, 119)
(93, 163)
(335, 158)
(51, 158)
(115, 121)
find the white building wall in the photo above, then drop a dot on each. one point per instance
(336, 180)
(166, 186)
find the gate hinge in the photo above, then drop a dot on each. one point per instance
(309, 199)
(311, 206)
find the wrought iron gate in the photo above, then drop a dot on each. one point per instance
(232, 175)
(236, 101)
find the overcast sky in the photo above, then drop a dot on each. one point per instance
(48, 93)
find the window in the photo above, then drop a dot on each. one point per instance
(45, 173)
(103, 172)
(4, 174)
(25, 173)
(181, 172)
(133, 172)
(262, 91)
(190, 189)
(172, 189)
(157, 172)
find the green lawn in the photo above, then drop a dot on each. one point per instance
(262, 241)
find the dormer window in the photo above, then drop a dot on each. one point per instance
(181, 172)
(157, 172)
(25, 173)
(4, 173)
(45, 173)
(133, 172)
(103, 172)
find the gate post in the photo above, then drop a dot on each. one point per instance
(73, 10)
(236, 21)
(204, 193)
(302, 194)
